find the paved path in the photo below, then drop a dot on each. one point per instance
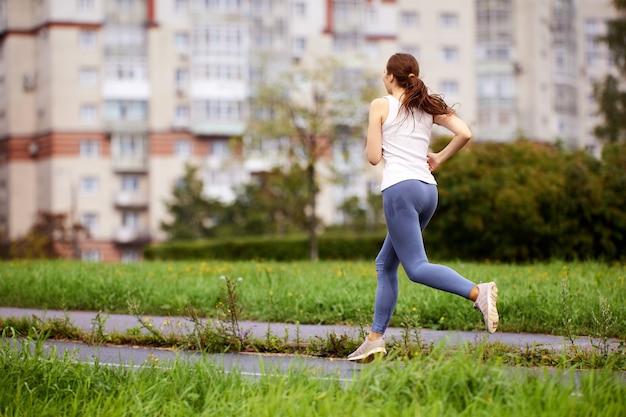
(249, 364)
(296, 333)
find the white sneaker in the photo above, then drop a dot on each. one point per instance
(486, 304)
(367, 349)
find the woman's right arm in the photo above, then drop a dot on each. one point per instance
(462, 135)
(374, 146)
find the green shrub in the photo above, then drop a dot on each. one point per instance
(526, 202)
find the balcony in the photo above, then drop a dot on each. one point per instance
(130, 164)
(126, 126)
(129, 152)
(212, 128)
(130, 199)
(127, 235)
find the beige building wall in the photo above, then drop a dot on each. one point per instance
(22, 199)
(20, 116)
(63, 65)
(535, 94)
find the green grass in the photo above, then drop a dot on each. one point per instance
(553, 298)
(444, 383)
(484, 379)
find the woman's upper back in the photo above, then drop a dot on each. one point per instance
(405, 143)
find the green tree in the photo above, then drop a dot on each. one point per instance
(613, 227)
(269, 205)
(53, 235)
(522, 201)
(609, 93)
(361, 216)
(305, 106)
(193, 216)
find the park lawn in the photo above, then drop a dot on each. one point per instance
(577, 298)
(443, 383)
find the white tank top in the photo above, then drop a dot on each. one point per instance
(406, 139)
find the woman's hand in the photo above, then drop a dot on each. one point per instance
(462, 135)
(433, 161)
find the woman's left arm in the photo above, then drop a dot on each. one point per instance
(374, 146)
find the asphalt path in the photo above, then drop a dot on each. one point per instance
(246, 363)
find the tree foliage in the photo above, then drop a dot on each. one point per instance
(51, 235)
(305, 105)
(192, 214)
(527, 201)
(609, 93)
(270, 205)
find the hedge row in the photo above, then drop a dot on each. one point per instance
(268, 248)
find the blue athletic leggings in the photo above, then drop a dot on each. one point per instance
(408, 207)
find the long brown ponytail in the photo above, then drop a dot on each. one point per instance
(405, 69)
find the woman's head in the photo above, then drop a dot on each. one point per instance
(404, 68)
(405, 71)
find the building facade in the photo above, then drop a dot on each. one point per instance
(536, 64)
(103, 102)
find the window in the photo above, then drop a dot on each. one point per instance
(484, 117)
(124, 35)
(224, 5)
(264, 39)
(181, 117)
(182, 149)
(130, 255)
(181, 42)
(409, 19)
(181, 6)
(410, 49)
(496, 86)
(131, 146)
(299, 46)
(130, 183)
(449, 54)
(182, 78)
(218, 71)
(89, 148)
(89, 185)
(90, 255)
(85, 5)
(125, 68)
(90, 221)
(219, 110)
(126, 110)
(220, 148)
(130, 220)
(449, 89)
(87, 39)
(264, 6)
(504, 117)
(88, 113)
(227, 39)
(371, 16)
(88, 77)
(299, 10)
(125, 5)
(449, 20)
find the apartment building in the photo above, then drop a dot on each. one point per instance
(536, 63)
(103, 102)
(594, 63)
